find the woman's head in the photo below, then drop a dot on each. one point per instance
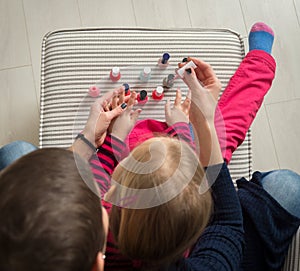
(164, 212)
(50, 218)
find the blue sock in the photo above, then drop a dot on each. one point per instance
(261, 37)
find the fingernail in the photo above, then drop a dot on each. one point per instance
(123, 105)
(188, 70)
(185, 59)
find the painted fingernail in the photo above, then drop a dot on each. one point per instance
(123, 105)
(188, 70)
(185, 59)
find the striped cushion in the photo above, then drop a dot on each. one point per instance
(73, 60)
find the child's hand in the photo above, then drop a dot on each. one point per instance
(123, 124)
(179, 112)
(101, 116)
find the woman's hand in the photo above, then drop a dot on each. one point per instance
(205, 89)
(180, 111)
(206, 75)
(123, 124)
(101, 115)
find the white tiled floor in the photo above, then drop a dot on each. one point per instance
(24, 22)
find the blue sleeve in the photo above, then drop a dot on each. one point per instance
(220, 247)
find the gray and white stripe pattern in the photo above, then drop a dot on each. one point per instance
(73, 60)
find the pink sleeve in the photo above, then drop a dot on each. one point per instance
(182, 131)
(108, 157)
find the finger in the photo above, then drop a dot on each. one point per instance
(183, 62)
(177, 101)
(167, 108)
(191, 80)
(106, 106)
(114, 102)
(186, 104)
(121, 97)
(126, 98)
(132, 99)
(135, 115)
(119, 90)
(108, 95)
(204, 70)
(189, 95)
(115, 112)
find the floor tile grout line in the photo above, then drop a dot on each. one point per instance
(134, 13)
(283, 101)
(79, 13)
(244, 19)
(272, 137)
(189, 12)
(15, 67)
(296, 11)
(29, 48)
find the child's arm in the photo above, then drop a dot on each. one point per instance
(177, 118)
(182, 131)
(110, 152)
(108, 157)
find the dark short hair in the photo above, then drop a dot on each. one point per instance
(49, 218)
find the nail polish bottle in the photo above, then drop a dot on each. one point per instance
(145, 74)
(189, 64)
(163, 62)
(115, 74)
(142, 97)
(184, 60)
(127, 89)
(158, 93)
(94, 91)
(168, 82)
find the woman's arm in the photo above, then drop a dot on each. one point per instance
(202, 115)
(220, 247)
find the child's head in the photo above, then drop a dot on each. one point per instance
(159, 233)
(50, 218)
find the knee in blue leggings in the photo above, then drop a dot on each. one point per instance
(284, 186)
(12, 151)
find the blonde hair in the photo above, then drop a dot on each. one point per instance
(164, 231)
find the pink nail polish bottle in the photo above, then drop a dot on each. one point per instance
(94, 91)
(115, 74)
